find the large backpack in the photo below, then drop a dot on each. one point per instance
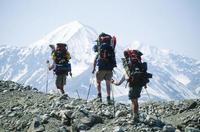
(135, 68)
(106, 52)
(61, 58)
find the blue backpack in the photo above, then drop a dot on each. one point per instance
(62, 65)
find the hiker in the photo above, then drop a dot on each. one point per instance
(137, 77)
(105, 60)
(61, 65)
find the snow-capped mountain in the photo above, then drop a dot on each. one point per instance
(174, 76)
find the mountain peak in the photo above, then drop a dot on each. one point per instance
(61, 34)
(76, 23)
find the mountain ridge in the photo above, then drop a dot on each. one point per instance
(28, 65)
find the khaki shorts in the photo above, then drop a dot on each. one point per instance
(104, 75)
(61, 80)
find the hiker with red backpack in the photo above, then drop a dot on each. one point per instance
(61, 65)
(136, 75)
(105, 60)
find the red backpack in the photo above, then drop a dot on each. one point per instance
(108, 39)
(133, 55)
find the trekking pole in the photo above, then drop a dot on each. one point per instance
(152, 103)
(112, 90)
(77, 93)
(91, 81)
(148, 95)
(47, 81)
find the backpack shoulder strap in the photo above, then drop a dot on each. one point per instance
(68, 56)
(53, 55)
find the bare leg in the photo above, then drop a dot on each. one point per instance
(98, 86)
(135, 110)
(108, 87)
(135, 105)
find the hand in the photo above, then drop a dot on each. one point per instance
(112, 81)
(47, 61)
(52, 47)
(70, 74)
(93, 71)
(145, 86)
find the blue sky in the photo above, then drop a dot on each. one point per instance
(171, 24)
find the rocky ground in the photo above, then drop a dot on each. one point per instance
(23, 108)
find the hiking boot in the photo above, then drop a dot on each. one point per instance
(64, 96)
(136, 117)
(109, 101)
(99, 99)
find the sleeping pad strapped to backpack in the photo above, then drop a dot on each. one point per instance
(135, 68)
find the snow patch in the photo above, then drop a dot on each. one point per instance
(135, 45)
(183, 79)
(165, 51)
(197, 90)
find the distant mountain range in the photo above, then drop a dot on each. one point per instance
(174, 76)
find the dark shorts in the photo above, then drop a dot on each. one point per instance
(134, 92)
(61, 80)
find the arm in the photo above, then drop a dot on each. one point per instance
(50, 67)
(94, 64)
(68, 56)
(120, 82)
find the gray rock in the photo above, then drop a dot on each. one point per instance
(69, 113)
(12, 114)
(36, 126)
(108, 113)
(28, 87)
(92, 120)
(169, 128)
(4, 91)
(16, 108)
(1, 116)
(66, 122)
(45, 118)
(57, 104)
(54, 114)
(11, 89)
(64, 97)
(65, 114)
(35, 111)
(75, 102)
(68, 106)
(35, 89)
(191, 129)
(84, 111)
(120, 113)
(118, 129)
(181, 110)
(82, 127)
(192, 105)
(63, 129)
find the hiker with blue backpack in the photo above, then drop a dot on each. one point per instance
(61, 66)
(105, 61)
(137, 77)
